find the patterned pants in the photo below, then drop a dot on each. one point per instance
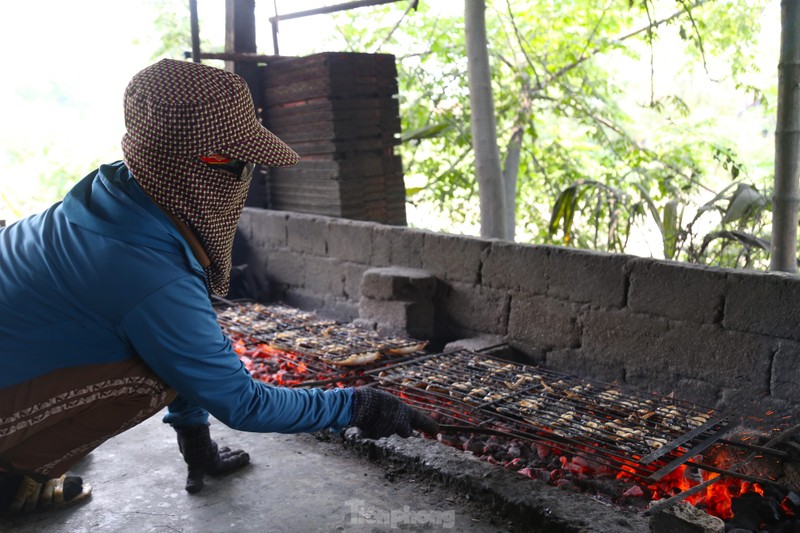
(51, 422)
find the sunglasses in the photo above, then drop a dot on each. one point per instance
(242, 170)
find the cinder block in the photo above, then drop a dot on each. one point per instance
(743, 404)
(453, 257)
(763, 303)
(353, 274)
(414, 319)
(588, 366)
(286, 267)
(657, 352)
(339, 309)
(474, 308)
(264, 228)
(395, 246)
(494, 345)
(516, 267)
(699, 391)
(725, 358)
(677, 290)
(545, 323)
(324, 276)
(582, 276)
(303, 299)
(350, 240)
(398, 283)
(785, 379)
(618, 337)
(307, 234)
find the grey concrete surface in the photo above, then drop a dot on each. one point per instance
(295, 483)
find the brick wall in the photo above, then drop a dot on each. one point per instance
(725, 338)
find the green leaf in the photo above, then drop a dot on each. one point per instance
(564, 209)
(428, 132)
(672, 226)
(411, 191)
(652, 206)
(747, 239)
(745, 201)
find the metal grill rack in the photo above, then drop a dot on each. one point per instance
(289, 347)
(621, 429)
(338, 342)
(249, 318)
(641, 434)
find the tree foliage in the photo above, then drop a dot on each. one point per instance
(610, 148)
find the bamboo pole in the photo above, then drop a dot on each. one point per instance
(787, 144)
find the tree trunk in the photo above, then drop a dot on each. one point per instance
(787, 143)
(510, 172)
(484, 127)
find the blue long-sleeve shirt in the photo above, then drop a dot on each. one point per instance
(104, 276)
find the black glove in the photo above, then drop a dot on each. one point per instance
(203, 456)
(379, 414)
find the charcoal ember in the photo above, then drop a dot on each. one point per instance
(566, 484)
(474, 445)
(527, 472)
(449, 440)
(633, 492)
(746, 514)
(515, 463)
(792, 501)
(542, 450)
(542, 474)
(513, 452)
(491, 449)
(770, 510)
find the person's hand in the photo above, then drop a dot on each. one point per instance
(379, 414)
(203, 456)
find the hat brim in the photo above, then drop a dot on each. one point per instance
(261, 146)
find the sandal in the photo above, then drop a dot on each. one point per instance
(33, 497)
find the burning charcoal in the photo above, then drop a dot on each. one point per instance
(542, 450)
(513, 452)
(514, 463)
(746, 514)
(792, 501)
(473, 445)
(566, 484)
(770, 510)
(526, 472)
(633, 492)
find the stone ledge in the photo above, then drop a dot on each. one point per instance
(537, 505)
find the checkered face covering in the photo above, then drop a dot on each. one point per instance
(177, 111)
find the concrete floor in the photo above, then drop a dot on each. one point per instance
(295, 483)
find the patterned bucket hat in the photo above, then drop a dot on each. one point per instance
(177, 112)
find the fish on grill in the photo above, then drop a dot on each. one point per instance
(545, 400)
(343, 345)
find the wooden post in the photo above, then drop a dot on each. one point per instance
(240, 37)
